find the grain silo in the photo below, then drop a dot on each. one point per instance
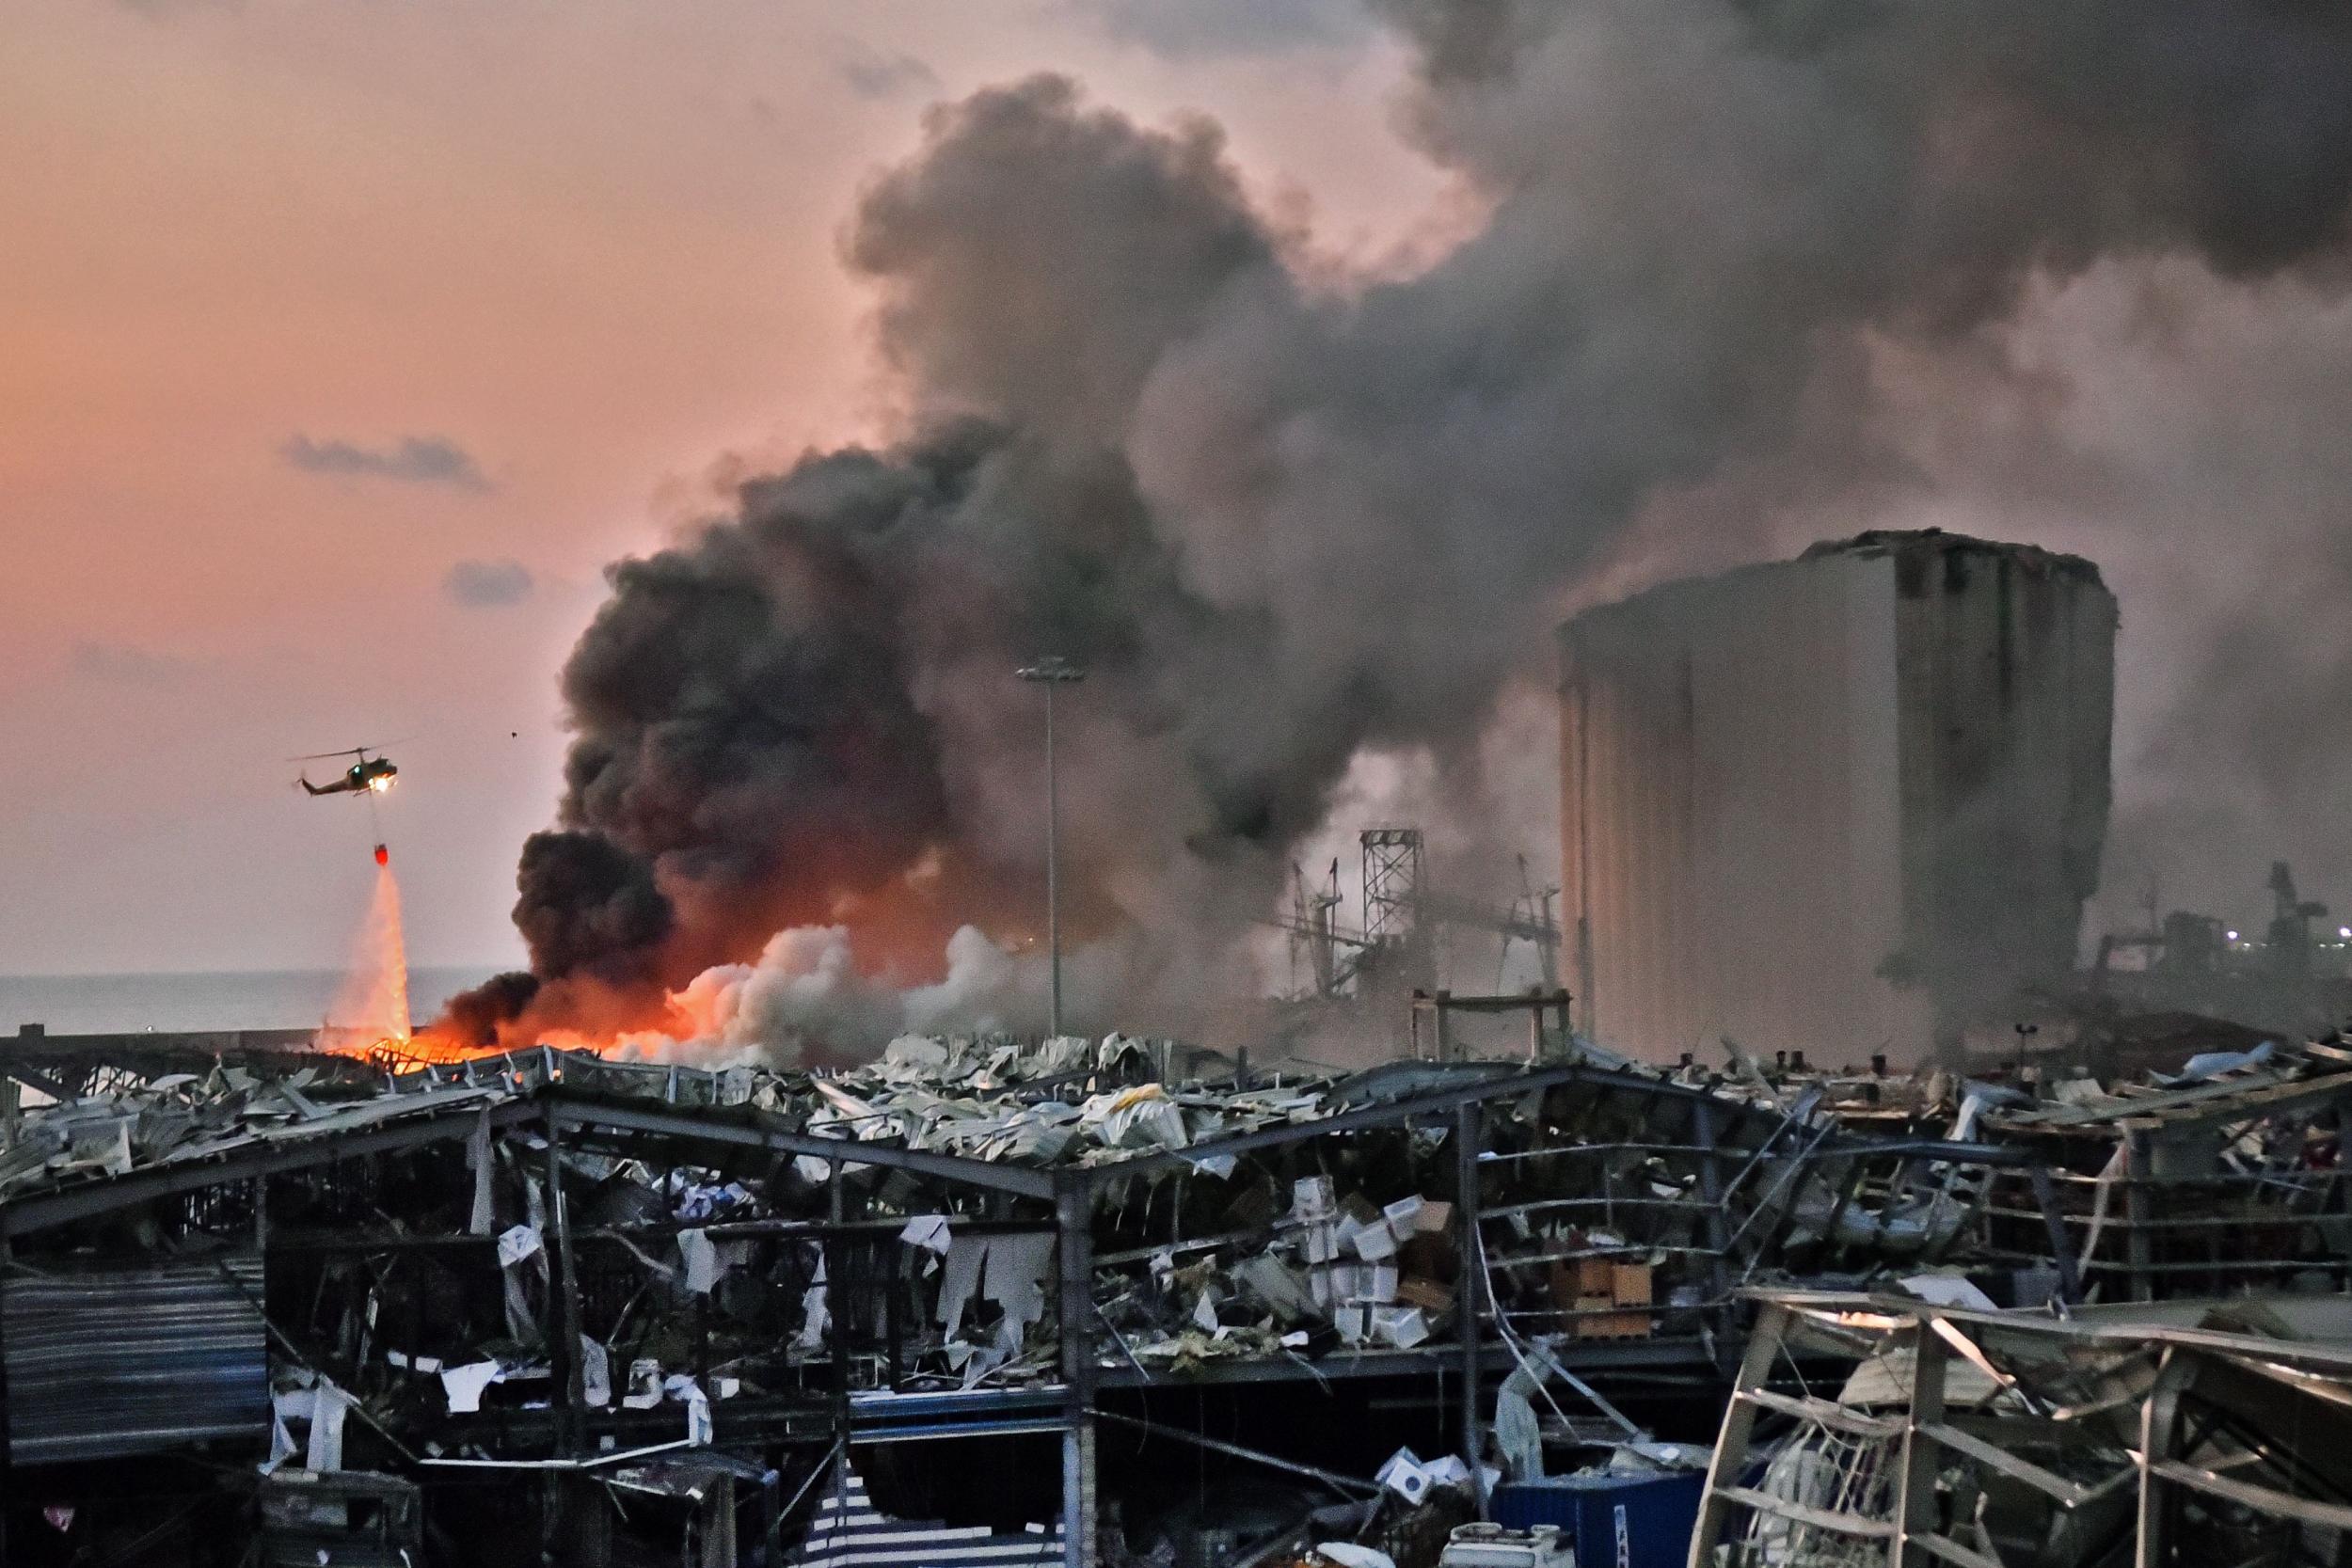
(1841, 804)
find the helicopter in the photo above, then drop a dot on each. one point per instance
(365, 776)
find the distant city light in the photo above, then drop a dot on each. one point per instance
(2231, 934)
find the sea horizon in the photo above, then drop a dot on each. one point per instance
(171, 1001)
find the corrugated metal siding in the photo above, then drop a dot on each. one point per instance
(1834, 804)
(848, 1532)
(126, 1361)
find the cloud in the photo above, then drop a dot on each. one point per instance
(161, 8)
(487, 585)
(411, 460)
(121, 664)
(874, 74)
(1194, 28)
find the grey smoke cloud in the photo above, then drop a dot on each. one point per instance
(874, 73)
(125, 664)
(1284, 522)
(410, 459)
(487, 585)
(1184, 29)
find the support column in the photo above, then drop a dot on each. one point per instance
(564, 1326)
(1469, 1288)
(2062, 1248)
(1915, 1490)
(1730, 1461)
(6, 1436)
(2159, 1431)
(2139, 1168)
(1073, 1221)
(1704, 1133)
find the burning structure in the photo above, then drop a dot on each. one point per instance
(1840, 804)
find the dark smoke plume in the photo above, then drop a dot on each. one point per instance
(1281, 519)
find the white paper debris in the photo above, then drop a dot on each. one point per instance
(463, 1385)
(517, 1244)
(815, 1310)
(1016, 1277)
(960, 1278)
(1405, 1474)
(701, 1260)
(927, 1231)
(1447, 1471)
(596, 1374)
(1346, 1554)
(328, 1406)
(281, 1444)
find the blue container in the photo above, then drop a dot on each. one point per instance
(1616, 1520)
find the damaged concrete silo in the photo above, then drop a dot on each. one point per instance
(1844, 805)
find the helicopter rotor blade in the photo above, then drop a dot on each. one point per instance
(354, 751)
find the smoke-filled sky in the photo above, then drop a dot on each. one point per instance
(1296, 374)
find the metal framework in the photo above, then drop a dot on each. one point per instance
(2104, 1477)
(1752, 1164)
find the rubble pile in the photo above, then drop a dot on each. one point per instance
(627, 1274)
(2204, 1434)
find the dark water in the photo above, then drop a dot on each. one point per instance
(273, 999)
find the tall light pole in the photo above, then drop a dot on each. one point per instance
(1050, 671)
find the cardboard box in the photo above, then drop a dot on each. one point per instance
(1400, 1326)
(1427, 1294)
(1629, 1284)
(1614, 1325)
(1431, 1256)
(1595, 1318)
(1595, 1277)
(1371, 1240)
(1560, 1279)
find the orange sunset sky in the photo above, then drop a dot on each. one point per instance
(583, 252)
(344, 343)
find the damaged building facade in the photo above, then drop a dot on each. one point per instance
(1837, 804)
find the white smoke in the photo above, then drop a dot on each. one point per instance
(806, 997)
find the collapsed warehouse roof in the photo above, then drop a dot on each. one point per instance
(549, 1263)
(2210, 1434)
